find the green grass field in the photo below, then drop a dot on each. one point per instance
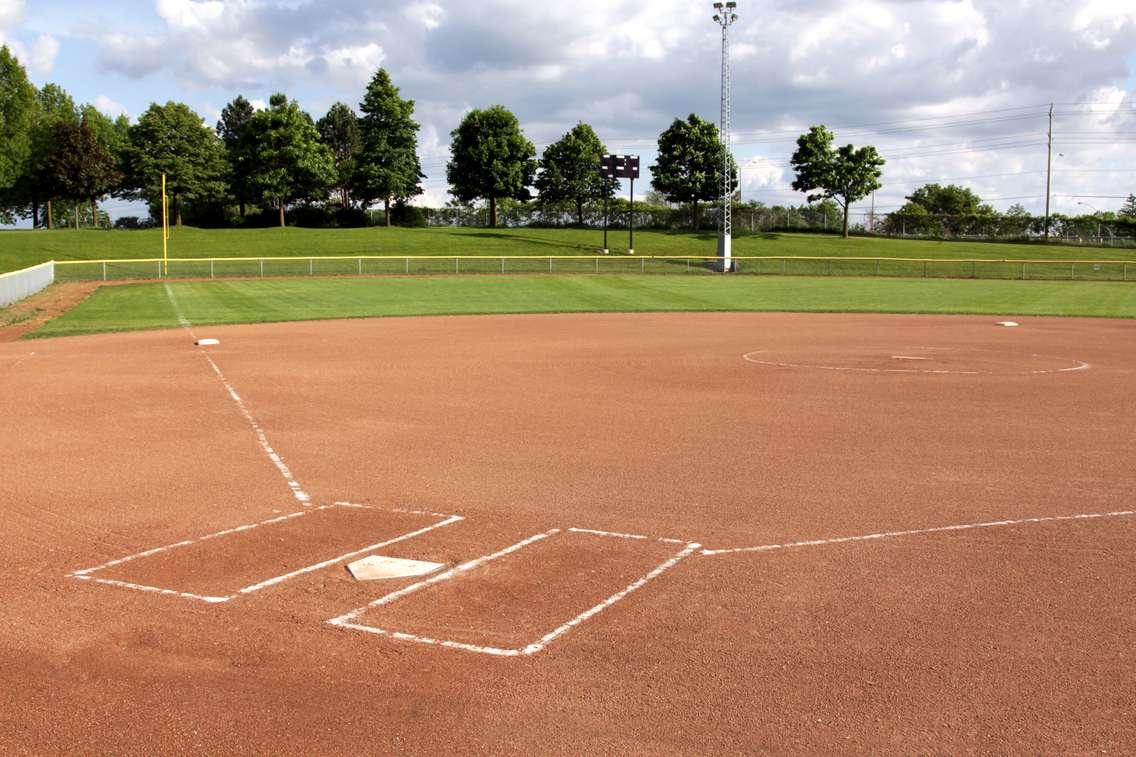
(149, 306)
(19, 249)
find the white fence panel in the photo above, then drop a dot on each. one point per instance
(17, 285)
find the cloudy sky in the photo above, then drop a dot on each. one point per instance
(948, 90)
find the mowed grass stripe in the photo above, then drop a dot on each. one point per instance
(20, 249)
(147, 306)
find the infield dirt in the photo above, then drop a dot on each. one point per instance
(1010, 638)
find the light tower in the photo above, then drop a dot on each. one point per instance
(725, 17)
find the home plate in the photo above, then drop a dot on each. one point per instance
(378, 568)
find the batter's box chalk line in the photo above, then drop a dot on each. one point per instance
(348, 621)
(89, 574)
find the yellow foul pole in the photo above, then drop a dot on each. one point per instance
(165, 229)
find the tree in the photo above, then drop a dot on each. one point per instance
(1128, 209)
(387, 166)
(53, 106)
(688, 169)
(233, 131)
(951, 200)
(171, 139)
(289, 163)
(570, 170)
(490, 158)
(339, 130)
(843, 174)
(17, 115)
(80, 168)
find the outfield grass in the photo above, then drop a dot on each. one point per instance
(20, 249)
(149, 306)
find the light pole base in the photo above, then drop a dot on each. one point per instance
(631, 252)
(606, 251)
(725, 250)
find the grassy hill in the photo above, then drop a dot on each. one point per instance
(19, 249)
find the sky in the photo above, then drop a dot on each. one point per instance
(949, 91)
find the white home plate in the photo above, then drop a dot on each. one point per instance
(377, 568)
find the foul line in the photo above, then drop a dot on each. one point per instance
(86, 573)
(262, 438)
(347, 620)
(920, 531)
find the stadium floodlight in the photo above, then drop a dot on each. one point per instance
(725, 17)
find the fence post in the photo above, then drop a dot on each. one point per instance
(550, 264)
(688, 259)
(457, 265)
(311, 266)
(360, 266)
(104, 271)
(1023, 271)
(1072, 271)
(502, 265)
(597, 265)
(262, 269)
(408, 265)
(159, 269)
(211, 269)
(642, 265)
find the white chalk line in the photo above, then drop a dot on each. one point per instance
(1079, 365)
(86, 573)
(347, 620)
(397, 510)
(618, 535)
(343, 558)
(921, 531)
(262, 438)
(551, 636)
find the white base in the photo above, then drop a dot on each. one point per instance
(379, 568)
(207, 342)
(1008, 324)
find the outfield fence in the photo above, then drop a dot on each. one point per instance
(291, 267)
(17, 285)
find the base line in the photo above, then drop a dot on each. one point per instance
(920, 531)
(262, 438)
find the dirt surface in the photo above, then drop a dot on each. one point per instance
(778, 435)
(29, 314)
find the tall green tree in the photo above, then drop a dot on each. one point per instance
(688, 168)
(171, 139)
(17, 115)
(570, 170)
(233, 131)
(339, 130)
(290, 164)
(1128, 209)
(33, 190)
(843, 174)
(387, 165)
(490, 158)
(80, 167)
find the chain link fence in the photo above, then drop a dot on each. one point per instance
(292, 267)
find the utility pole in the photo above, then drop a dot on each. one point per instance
(1049, 173)
(725, 17)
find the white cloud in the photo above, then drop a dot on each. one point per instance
(10, 12)
(110, 107)
(428, 14)
(41, 57)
